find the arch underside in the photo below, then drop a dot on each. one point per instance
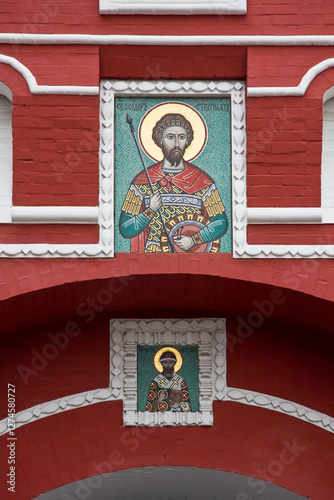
(168, 483)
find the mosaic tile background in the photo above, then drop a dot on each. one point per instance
(147, 372)
(215, 159)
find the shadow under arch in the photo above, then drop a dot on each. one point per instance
(170, 483)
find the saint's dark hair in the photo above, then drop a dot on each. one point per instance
(172, 120)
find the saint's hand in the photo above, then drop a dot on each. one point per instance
(183, 242)
(162, 395)
(155, 201)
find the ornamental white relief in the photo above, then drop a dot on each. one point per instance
(209, 335)
(232, 91)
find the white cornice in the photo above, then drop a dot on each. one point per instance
(55, 215)
(174, 7)
(278, 215)
(87, 39)
(45, 89)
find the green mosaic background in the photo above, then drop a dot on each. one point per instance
(215, 160)
(147, 372)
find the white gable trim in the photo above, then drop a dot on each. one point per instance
(45, 89)
(299, 90)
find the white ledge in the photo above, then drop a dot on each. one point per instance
(274, 215)
(55, 215)
(46, 89)
(86, 39)
(173, 7)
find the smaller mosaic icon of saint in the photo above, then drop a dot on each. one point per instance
(168, 391)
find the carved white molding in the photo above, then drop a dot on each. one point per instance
(60, 251)
(88, 39)
(280, 405)
(274, 215)
(210, 337)
(284, 251)
(184, 7)
(236, 395)
(57, 215)
(46, 89)
(285, 216)
(50, 408)
(54, 215)
(299, 90)
(233, 89)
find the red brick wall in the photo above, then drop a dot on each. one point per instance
(82, 16)
(266, 358)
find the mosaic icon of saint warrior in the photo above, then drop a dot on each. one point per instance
(172, 206)
(168, 391)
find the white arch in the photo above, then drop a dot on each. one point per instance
(45, 89)
(299, 90)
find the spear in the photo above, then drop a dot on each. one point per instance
(129, 122)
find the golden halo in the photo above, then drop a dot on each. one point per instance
(179, 359)
(154, 114)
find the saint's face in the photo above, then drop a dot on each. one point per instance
(168, 366)
(174, 143)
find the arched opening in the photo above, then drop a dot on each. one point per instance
(166, 483)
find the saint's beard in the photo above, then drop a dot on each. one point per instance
(168, 372)
(174, 156)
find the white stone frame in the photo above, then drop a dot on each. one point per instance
(210, 337)
(175, 7)
(235, 90)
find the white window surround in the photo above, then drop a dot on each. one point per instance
(175, 7)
